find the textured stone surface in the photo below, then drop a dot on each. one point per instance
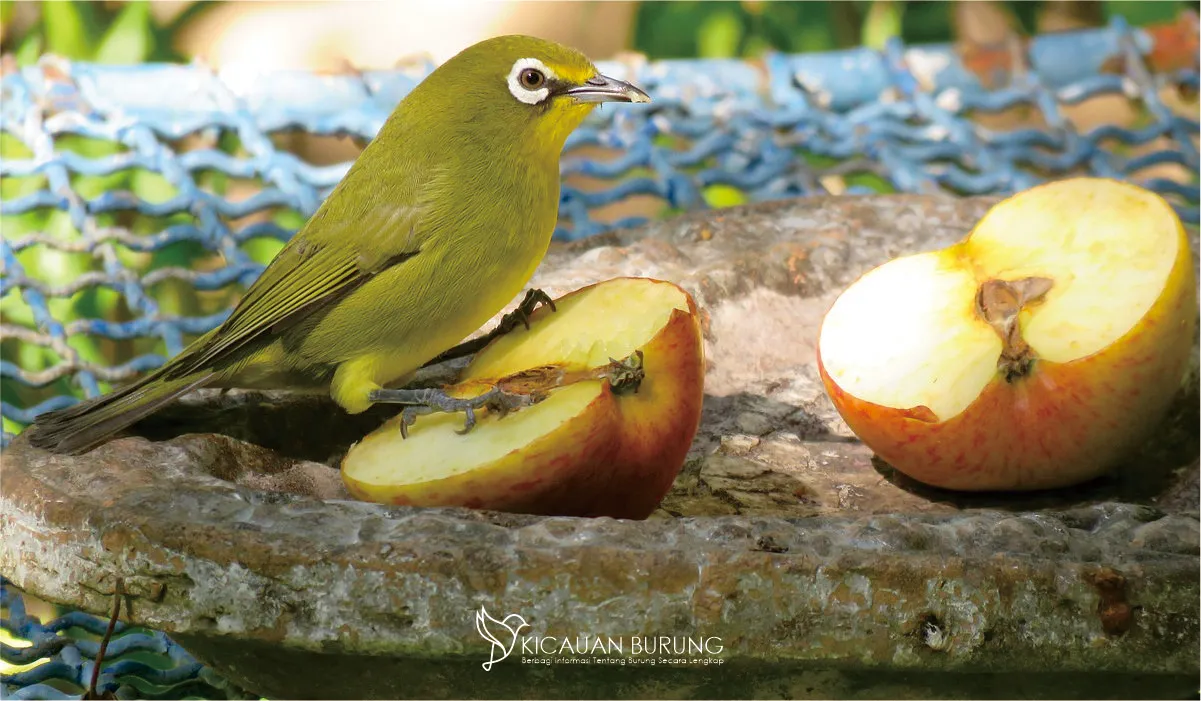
(824, 573)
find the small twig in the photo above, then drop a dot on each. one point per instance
(118, 592)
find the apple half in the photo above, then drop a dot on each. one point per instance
(583, 449)
(1036, 353)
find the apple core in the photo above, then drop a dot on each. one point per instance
(1000, 303)
(1038, 352)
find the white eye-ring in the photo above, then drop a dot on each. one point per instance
(528, 80)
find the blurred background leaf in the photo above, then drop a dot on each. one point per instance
(746, 29)
(130, 38)
(65, 25)
(883, 21)
(117, 31)
(122, 32)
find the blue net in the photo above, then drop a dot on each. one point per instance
(57, 659)
(137, 202)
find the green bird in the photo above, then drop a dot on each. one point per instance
(439, 223)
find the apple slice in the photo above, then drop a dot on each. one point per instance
(583, 450)
(1035, 353)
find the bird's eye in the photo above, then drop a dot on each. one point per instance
(532, 79)
(529, 81)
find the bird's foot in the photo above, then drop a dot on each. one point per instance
(431, 400)
(512, 392)
(533, 299)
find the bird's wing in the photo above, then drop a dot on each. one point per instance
(326, 260)
(482, 628)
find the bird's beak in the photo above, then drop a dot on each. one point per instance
(602, 88)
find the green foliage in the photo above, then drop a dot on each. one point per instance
(114, 32)
(720, 33)
(117, 33)
(883, 21)
(65, 25)
(726, 29)
(1143, 12)
(130, 39)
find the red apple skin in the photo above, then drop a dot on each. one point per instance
(658, 423)
(1061, 425)
(651, 435)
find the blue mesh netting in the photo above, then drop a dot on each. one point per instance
(138, 663)
(138, 201)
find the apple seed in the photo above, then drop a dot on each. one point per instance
(999, 303)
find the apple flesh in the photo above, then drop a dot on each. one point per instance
(584, 449)
(1036, 353)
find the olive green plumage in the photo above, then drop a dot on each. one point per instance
(439, 223)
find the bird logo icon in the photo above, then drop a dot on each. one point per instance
(507, 629)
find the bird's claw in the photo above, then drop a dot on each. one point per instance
(534, 298)
(495, 399)
(409, 415)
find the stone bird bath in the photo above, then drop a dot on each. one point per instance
(823, 572)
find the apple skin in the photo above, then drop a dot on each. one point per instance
(1063, 424)
(658, 423)
(617, 458)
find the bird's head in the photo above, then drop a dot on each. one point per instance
(521, 90)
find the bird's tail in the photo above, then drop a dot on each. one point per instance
(79, 428)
